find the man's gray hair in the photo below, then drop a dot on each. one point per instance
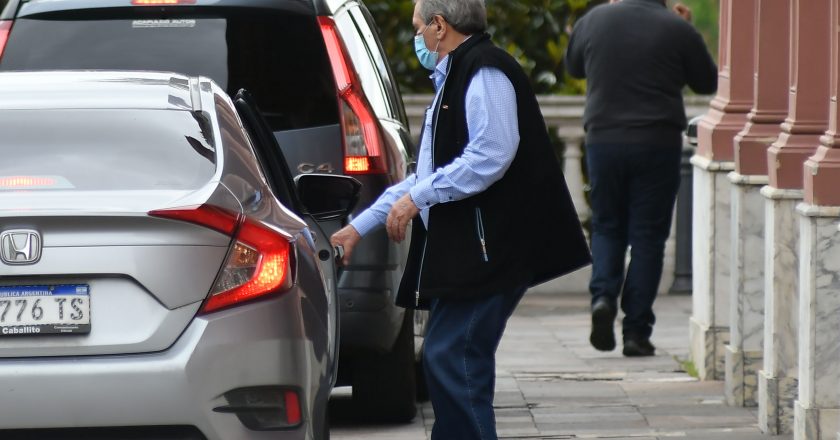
(466, 16)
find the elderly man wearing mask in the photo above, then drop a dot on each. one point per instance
(490, 209)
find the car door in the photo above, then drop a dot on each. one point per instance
(359, 31)
(280, 178)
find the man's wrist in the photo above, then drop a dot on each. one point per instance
(422, 198)
(364, 223)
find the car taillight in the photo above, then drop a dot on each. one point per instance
(363, 144)
(5, 29)
(259, 262)
(26, 182)
(161, 2)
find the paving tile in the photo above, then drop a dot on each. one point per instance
(551, 385)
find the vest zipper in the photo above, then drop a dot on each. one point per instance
(419, 273)
(479, 226)
(434, 131)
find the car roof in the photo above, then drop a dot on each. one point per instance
(101, 90)
(24, 8)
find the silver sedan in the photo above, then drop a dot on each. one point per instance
(161, 273)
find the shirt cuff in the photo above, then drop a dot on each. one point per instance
(424, 194)
(365, 223)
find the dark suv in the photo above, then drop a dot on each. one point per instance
(317, 71)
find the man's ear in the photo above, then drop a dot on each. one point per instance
(440, 26)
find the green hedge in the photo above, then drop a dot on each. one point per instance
(534, 31)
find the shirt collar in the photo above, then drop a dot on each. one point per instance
(438, 76)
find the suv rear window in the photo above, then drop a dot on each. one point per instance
(106, 149)
(279, 57)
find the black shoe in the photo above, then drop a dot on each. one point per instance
(635, 347)
(602, 336)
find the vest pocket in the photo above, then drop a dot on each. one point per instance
(479, 228)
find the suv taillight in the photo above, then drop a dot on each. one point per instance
(258, 264)
(5, 29)
(161, 2)
(363, 146)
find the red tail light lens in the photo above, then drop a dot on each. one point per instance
(209, 216)
(161, 2)
(258, 265)
(293, 415)
(259, 262)
(363, 144)
(5, 29)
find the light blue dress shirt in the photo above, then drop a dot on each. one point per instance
(493, 126)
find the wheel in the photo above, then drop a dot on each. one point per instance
(421, 319)
(384, 385)
(422, 389)
(321, 425)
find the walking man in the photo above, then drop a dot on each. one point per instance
(637, 57)
(490, 209)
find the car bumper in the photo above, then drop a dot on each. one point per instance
(246, 346)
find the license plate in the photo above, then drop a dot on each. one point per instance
(38, 310)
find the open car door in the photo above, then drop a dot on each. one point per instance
(322, 201)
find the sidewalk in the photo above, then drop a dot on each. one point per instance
(553, 385)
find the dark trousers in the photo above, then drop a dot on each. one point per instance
(633, 190)
(459, 359)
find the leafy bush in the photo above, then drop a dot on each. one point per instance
(536, 32)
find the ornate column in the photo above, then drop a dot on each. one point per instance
(709, 325)
(744, 353)
(817, 411)
(573, 137)
(807, 114)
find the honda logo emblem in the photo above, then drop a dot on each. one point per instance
(21, 246)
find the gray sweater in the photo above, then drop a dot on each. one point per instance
(637, 57)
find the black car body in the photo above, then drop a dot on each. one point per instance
(317, 71)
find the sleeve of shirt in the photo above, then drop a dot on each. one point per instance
(493, 126)
(375, 216)
(574, 59)
(701, 71)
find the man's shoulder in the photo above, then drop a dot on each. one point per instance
(677, 27)
(489, 54)
(496, 58)
(594, 14)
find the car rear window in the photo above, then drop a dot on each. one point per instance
(279, 57)
(104, 150)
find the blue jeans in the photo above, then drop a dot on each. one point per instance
(633, 190)
(459, 360)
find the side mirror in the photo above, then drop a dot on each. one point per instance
(327, 196)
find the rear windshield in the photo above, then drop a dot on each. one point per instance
(279, 57)
(104, 150)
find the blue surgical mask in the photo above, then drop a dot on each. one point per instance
(428, 58)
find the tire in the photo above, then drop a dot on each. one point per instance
(422, 389)
(384, 385)
(321, 421)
